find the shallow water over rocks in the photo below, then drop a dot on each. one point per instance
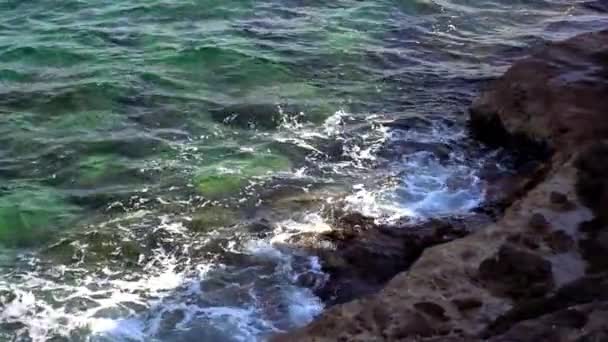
(156, 158)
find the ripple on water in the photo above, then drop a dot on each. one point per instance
(157, 157)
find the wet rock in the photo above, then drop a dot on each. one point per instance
(503, 189)
(260, 228)
(366, 255)
(310, 280)
(516, 273)
(544, 106)
(6, 297)
(265, 116)
(79, 304)
(170, 319)
(210, 217)
(160, 238)
(94, 247)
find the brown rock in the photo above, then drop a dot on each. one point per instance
(592, 184)
(516, 273)
(560, 201)
(558, 198)
(538, 222)
(572, 324)
(547, 102)
(530, 241)
(549, 98)
(559, 241)
(432, 309)
(582, 291)
(367, 255)
(467, 303)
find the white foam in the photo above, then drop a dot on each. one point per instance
(169, 282)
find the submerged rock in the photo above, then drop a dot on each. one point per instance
(265, 116)
(29, 215)
(229, 176)
(95, 247)
(210, 217)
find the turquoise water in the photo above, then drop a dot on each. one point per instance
(156, 157)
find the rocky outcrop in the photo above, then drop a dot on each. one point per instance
(538, 272)
(366, 255)
(552, 98)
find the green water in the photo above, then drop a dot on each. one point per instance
(139, 139)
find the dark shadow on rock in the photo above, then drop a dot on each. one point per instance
(365, 255)
(516, 273)
(584, 290)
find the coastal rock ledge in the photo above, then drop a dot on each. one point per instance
(540, 271)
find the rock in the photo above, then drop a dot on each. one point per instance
(467, 303)
(504, 189)
(261, 228)
(549, 98)
(170, 319)
(538, 222)
(573, 324)
(560, 201)
(592, 185)
(505, 282)
(366, 255)
(265, 116)
(432, 309)
(210, 217)
(559, 241)
(531, 241)
(516, 273)
(595, 248)
(585, 290)
(558, 198)
(414, 326)
(6, 297)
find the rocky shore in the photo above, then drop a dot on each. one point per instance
(532, 266)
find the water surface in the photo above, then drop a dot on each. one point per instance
(157, 156)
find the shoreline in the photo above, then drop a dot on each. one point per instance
(535, 271)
